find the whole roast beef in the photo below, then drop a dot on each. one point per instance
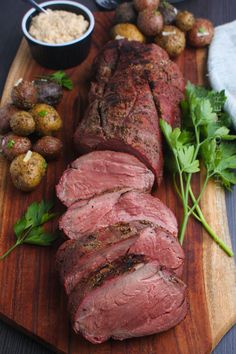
(86, 217)
(141, 299)
(134, 86)
(101, 172)
(77, 258)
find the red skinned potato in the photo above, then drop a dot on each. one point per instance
(24, 94)
(125, 12)
(49, 147)
(201, 33)
(150, 22)
(141, 5)
(168, 12)
(6, 112)
(13, 145)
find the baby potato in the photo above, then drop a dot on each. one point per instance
(6, 112)
(48, 91)
(24, 95)
(140, 5)
(13, 145)
(49, 147)
(128, 31)
(201, 33)
(124, 13)
(27, 171)
(172, 40)
(150, 22)
(46, 118)
(22, 123)
(168, 12)
(184, 20)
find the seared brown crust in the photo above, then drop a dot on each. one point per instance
(127, 100)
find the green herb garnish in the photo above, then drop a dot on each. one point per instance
(42, 113)
(62, 79)
(201, 30)
(29, 229)
(10, 143)
(204, 136)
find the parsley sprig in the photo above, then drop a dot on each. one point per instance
(29, 229)
(61, 78)
(205, 136)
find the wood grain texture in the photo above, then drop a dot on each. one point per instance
(33, 299)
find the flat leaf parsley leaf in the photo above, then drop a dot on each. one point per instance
(29, 228)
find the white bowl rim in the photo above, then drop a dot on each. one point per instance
(62, 2)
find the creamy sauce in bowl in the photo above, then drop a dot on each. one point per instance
(58, 26)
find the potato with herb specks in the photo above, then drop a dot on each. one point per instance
(46, 118)
(6, 112)
(184, 20)
(201, 33)
(150, 22)
(24, 94)
(22, 123)
(27, 171)
(128, 31)
(49, 147)
(172, 40)
(13, 145)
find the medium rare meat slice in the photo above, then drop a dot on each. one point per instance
(136, 303)
(76, 259)
(109, 209)
(134, 86)
(101, 172)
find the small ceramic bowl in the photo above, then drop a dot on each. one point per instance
(65, 55)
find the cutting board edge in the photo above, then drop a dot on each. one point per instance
(30, 334)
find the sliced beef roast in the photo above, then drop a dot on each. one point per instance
(142, 301)
(134, 86)
(88, 217)
(77, 258)
(100, 172)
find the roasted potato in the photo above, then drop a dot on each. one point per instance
(128, 31)
(184, 20)
(150, 22)
(48, 91)
(22, 123)
(46, 118)
(6, 112)
(49, 147)
(201, 33)
(125, 13)
(172, 40)
(13, 145)
(24, 94)
(140, 5)
(27, 171)
(168, 12)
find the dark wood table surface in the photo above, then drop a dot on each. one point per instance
(11, 13)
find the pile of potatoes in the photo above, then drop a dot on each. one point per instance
(160, 22)
(28, 125)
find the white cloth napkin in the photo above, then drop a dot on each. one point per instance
(222, 65)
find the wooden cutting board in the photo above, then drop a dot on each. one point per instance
(31, 297)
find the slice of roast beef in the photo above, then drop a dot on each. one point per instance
(76, 259)
(88, 217)
(136, 303)
(134, 86)
(101, 172)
